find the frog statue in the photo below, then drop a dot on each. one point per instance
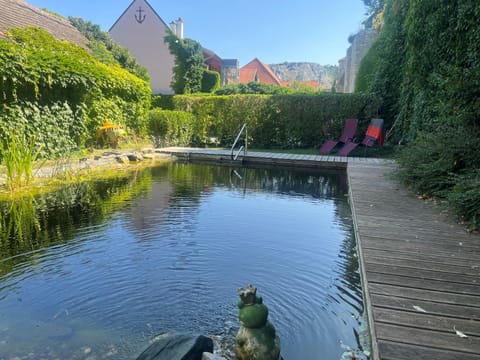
(256, 338)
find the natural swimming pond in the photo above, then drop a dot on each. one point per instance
(96, 270)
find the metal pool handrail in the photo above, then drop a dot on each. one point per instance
(244, 148)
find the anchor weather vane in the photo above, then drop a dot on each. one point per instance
(140, 18)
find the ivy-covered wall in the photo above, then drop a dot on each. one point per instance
(55, 89)
(425, 67)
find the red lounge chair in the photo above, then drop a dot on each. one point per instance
(348, 133)
(374, 134)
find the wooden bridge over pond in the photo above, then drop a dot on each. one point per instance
(420, 269)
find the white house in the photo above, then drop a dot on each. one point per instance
(141, 30)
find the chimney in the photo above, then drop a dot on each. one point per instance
(173, 27)
(179, 28)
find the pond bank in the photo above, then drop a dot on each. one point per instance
(110, 159)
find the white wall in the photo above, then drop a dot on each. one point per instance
(146, 43)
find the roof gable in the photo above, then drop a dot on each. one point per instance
(19, 14)
(247, 75)
(264, 74)
(134, 2)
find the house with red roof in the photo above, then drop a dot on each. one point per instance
(256, 70)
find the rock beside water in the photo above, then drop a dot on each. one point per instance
(178, 347)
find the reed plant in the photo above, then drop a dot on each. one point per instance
(18, 154)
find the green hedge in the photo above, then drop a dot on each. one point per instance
(170, 128)
(286, 121)
(43, 72)
(210, 81)
(56, 128)
(426, 68)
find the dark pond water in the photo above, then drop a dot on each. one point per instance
(95, 270)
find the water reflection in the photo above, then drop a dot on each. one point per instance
(31, 223)
(164, 249)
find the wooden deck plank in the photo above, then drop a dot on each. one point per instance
(425, 284)
(408, 305)
(434, 339)
(389, 252)
(415, 319)
(405, 269)
(400, 351)
(424, 295)
(414, 257)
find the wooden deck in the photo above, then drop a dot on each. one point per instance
(420, 270)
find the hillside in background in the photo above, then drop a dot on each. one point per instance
(302, 71)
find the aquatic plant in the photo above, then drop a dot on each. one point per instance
(18, 154)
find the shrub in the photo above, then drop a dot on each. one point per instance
(164, 102)
(287, 121)
(465, 197)
(39, 70)
(18, 154)
(254, 87)
(210, 81)
(170, 128)
(56, 128)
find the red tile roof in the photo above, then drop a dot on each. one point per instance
(19, 14)
(247, 75)
(263, 73)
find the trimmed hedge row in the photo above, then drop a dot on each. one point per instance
(170, 128)
(286, 121)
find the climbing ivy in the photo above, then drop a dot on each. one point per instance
(425, 66)
(189, 64)
(40, 72)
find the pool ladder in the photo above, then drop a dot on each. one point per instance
(243, 147)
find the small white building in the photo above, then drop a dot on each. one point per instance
(141, 30)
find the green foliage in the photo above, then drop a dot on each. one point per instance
(55, 128)
(170, 128)
(381, 69)
(210, 81)
(106, 50)
(189, 64)
(283, 121)
(164, 102)
(18, 154)
(42, 72)
(465, 197)
(425, 67)
(254, 87)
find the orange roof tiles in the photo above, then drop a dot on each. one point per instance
(263, 73)
(247, 75)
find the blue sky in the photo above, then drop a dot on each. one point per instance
(272, 30)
